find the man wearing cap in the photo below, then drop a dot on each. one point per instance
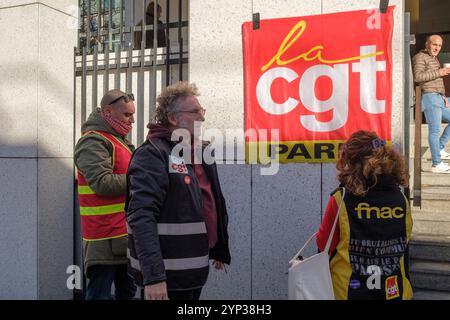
(102, 156)
(429, 74)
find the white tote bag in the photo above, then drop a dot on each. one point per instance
(310, 278)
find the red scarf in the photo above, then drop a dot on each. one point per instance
(121, 127)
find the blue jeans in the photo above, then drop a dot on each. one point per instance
(101, 278)
(433, 106)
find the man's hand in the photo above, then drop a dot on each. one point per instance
(218, 264)
(156, 291)
(444, 71)
(447, 104)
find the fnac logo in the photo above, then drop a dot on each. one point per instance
(392, 290)
(365, 211)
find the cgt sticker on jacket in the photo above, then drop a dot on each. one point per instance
(310, 82)
(177, 165)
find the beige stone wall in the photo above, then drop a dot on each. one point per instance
(36, 102)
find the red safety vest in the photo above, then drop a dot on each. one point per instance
(103, 217)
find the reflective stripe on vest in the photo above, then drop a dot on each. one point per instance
(103, 217)
(178, 229)
(186, 263)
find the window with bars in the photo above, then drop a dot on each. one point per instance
(119, 22)
(116, 50)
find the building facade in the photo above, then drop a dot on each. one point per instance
(48, 87)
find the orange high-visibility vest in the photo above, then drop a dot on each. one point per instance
(103, 217)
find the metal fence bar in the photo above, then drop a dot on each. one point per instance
(129, 70)
(167, 43)
(88, 28)
(106, 73)
(144, 24)
(80, 15)
(155, 26)
(74, 99)
(110, 24)
(133, 17)
(83, 86)
(154, 58)
(117, 74)
(129, 78)
(180, 41)
(100, 23)
(95, 78)
(121, 22)
(140, 102)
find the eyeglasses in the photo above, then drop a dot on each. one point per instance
(199, 111)
(127, 98)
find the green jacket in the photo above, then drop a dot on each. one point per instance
(93, 158)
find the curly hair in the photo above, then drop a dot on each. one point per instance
(361, 163)
(167, 101)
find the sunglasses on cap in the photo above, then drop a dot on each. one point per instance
(126, 97)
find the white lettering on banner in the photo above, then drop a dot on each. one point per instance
(368, 68)
(263, 91)
(338, 101)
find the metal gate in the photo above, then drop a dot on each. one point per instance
(114, 52)
(109, 57)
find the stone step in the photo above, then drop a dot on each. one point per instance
(435, 198)
(421, 294)
(429, 247)
(435, 179)
(434, 205)
(419, 213)
(436, 193)
(432, 227)
(430, 275)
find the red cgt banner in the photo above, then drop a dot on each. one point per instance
(316, 79)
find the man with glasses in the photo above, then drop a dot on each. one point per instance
(175, 209)
(102, 155)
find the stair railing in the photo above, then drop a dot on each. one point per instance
(418, 148)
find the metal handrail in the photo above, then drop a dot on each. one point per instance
(418, 149)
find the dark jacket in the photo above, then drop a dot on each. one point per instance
(160, 197)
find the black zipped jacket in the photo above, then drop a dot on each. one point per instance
(160, 200)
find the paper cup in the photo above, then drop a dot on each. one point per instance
(446, 65)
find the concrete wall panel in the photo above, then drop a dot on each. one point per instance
(55, 84)
(329, 183)
(285, 213)
(55, 233)
(236, 283)
(18, 81)
(215, 50)
(18, 229)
